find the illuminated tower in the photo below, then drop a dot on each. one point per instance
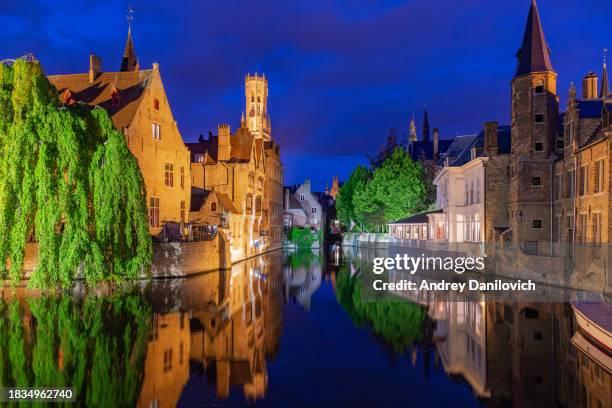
(256, 94)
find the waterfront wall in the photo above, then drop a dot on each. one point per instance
(366, 239)
(172, 259)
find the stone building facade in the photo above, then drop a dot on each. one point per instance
(138, 106)
(245, 172)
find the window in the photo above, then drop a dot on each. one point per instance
(539, 146)
(167, 360)
(582, 228)
(314, 210)
(156, 104)
(181, 354)
(169, 174)
(183, 211)
(213, 207)
(558, 186)
(258, 205)
(539, 89)
(599, 176)
(539, 118)
(538, 336)
(583, 180)
(249, 203)
(536, 181)
(478, 191)
(537, 224)
(571, 184)
(301, 197)
(154, 212)
(198, 158)
(597, 226)
(251, 180)
(156, 131)
(560, 144)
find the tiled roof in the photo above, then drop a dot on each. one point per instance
(534, 55)
(198, 198)
(122, 106)
(424, 150)
(469, 142)
(590, 108)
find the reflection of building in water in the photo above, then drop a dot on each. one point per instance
(273, 303)
(229, 337)
(460, 329)
(167, 362)
(303, 276)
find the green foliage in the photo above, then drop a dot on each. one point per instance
(305, 237)
(69, 182)
(345, 210)
(95, 345)
(398, 323)
(395, 191)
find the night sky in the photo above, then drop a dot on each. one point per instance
(341, 73)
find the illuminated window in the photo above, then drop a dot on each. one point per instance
(156, 131)
(183, 211)
(182, 177)
(213, 207)
(169, 175)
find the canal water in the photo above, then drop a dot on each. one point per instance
(292, 330)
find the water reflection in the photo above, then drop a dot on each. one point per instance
(241, 336)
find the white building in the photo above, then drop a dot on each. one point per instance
(302, 208)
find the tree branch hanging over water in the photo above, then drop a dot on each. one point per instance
(69, 182)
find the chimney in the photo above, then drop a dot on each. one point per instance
(201, 138)
(490, 139)
(225, 146)
(307, 185)
(95, 67)
(435, 144)
(286, 200)
(589, 86)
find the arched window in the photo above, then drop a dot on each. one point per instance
(213, 207)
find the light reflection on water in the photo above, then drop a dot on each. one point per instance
(293, 327)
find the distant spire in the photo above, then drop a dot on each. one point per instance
(129, 62)
(413, 134)
(605, 90)
(425, 131)
(534, 55)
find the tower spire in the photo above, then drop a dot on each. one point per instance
(534, 55)
(413, 135)
(425, 131)
(129, 62)
(604, 90)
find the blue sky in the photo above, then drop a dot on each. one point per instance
(342, 73)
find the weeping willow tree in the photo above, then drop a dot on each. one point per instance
(68, 182)
(95, 345)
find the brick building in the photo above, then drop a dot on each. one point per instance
(238, 178)
(138, 106)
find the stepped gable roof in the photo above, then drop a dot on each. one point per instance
(420, 218)
(117, 92)
(534, 55)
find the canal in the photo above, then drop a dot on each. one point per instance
(291, 329)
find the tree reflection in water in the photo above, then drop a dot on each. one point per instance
(94, 344)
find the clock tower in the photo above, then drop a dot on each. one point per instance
(256, 94)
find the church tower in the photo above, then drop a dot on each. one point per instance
(256, 94)
(425, 131)
(412, 135)
(535, 117)
(129, 62)
(604, 91)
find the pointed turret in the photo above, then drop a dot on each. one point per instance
(534, 55)
(604, 91)
(129, 61)
(425, 131)
(413, 135)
